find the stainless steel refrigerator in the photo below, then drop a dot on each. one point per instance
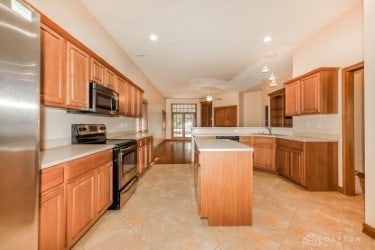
(19, 125)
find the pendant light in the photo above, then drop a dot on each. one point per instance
(265, 69)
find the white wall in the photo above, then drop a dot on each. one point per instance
(369, 51)
(168, 105)
(72, 16)
(252, 109)
(339, 44)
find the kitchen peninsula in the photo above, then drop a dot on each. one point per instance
(223, 176)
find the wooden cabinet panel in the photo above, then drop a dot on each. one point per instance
(96, 71)
(123, 94)
(80, 206)
(141, 156)
(53, 68)
(277, 110)
(225, 116)
(310, 94)
(206, 114)
(313, 93)
(297, 167)
(104, 188)
(77, 77)
(292, 98)
(131, 100)
(52, 219)
(264, 153)
(224, 177)
(110, 80)
(282, 159)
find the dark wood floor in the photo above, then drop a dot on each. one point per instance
(173, 152)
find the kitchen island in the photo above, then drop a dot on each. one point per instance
(223, 176)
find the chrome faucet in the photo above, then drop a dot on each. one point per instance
(269, 130)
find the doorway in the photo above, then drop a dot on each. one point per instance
(183, 119)
(353, 129)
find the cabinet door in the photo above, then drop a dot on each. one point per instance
(53, 69)
(282, 160)
(297, 168)
(110, 80)
(52, 220)
(310, 94)
(96, 71)
(264, 151)
(140, 158)
(292, 98)
(131, 100)
(78, 77)
(263, 156)
(139, 103)
(104, 188)
(80, 206)
(122, 91)
(225, 116)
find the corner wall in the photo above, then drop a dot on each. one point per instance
(369, 49)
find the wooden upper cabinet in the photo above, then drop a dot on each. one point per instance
(315, 91)
(292, 99)
(277, 110)
(96, 71)
(122, 91)
(131, 100)
(225, 116)
(138, 102)
(78, 65)
(53, 67)
(110, 80)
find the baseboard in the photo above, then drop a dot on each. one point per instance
(340, 189)
(369, 230)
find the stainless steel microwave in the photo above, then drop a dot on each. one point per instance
(103, 100)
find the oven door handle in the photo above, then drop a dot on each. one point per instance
(128, 149)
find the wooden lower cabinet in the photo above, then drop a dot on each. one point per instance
(264, 151)
(310, 164)
(282, 156)
(104, 188)
(52, 219)
(73, 197)
(144, 153)
(80, 206)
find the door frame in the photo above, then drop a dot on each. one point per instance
(348, 127)
(183, 114)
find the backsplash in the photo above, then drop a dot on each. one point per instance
(55, 125)
(322, 126)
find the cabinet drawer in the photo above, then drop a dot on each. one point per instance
(264, 140)
(141, 142)
(297, 145)
(282, 143)
(246, 140)
(51, 177)
(80, 166)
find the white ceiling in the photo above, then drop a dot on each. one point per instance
(211, 45)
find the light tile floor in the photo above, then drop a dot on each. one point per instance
(162, 215)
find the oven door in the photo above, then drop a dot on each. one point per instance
(127, 191)
(127, 160)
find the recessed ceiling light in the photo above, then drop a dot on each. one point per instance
(267, 39)
(153, 37)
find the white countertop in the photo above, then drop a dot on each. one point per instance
(136, 136)
(287, 137)
(222, 145)
(53, 156)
